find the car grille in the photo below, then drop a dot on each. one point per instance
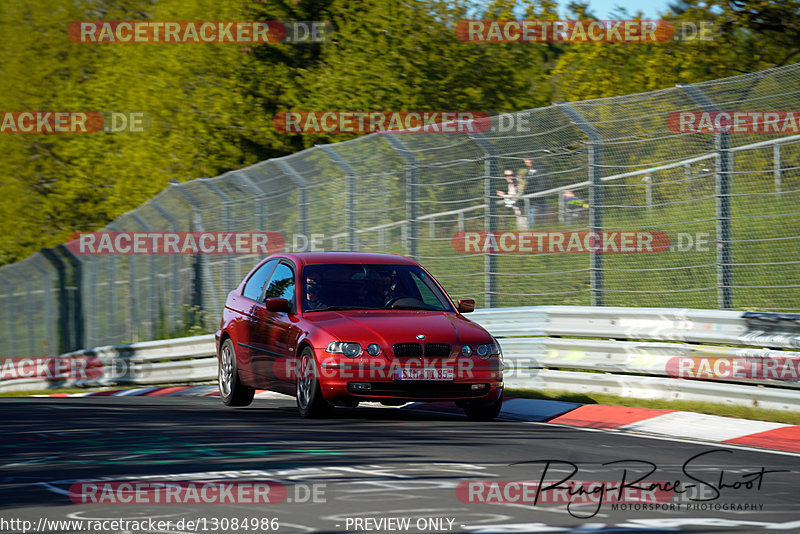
(408, 350)
(437, 350)
(414, 350)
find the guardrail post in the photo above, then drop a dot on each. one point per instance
(350, 194)
(723, 191)
(595, 147)
(410, 235)
(491, 172)
(302, 195)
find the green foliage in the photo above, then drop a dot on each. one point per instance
(210, 106)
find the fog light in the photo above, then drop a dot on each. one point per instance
(361, 385)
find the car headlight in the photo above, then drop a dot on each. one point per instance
(466, 350)
(351, 350)
(373, 349)
(488, 350)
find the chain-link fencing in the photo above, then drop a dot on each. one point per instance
(578, 174)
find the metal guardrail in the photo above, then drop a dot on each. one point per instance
(182, 360)
(620, 351)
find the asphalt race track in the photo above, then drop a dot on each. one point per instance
(366, 470)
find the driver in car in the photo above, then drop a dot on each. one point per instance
(313, 301)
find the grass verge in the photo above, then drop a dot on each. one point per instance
(711, 408)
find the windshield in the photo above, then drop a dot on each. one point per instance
(369, 286)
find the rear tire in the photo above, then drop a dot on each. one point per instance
(231, 390)
(483, 412)
(310, 402)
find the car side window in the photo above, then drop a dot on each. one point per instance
(255, 285)
(426, 292)
(281, 283)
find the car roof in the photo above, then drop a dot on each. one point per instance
(311, 258)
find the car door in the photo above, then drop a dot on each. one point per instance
(244, 329)
(272, 350)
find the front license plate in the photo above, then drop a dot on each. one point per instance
(425, 373)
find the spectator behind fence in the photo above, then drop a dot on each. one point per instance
(533, 179)
(511, 197)
(574, 206)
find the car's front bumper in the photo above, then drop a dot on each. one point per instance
(379, 379)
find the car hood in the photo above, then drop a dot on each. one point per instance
(389, 327)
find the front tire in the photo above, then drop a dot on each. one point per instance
(231, 390)
(484, 412)
(310, 402)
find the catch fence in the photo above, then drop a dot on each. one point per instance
(727, 202)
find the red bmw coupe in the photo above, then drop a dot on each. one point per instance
(337, 328)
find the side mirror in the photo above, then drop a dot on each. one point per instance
(466, 305)
(277, 305)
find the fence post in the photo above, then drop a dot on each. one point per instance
(70, 316)
(228, 280)
(133, 306)
(10, 315)
(491, 172)
(174, 289)
(595, 147)
(648, 192)
(410, 235)
(350, 194)
(47, 299)
(200, 271)
(723, 190)
(302, 195)
(153, 292)
(776, 166)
